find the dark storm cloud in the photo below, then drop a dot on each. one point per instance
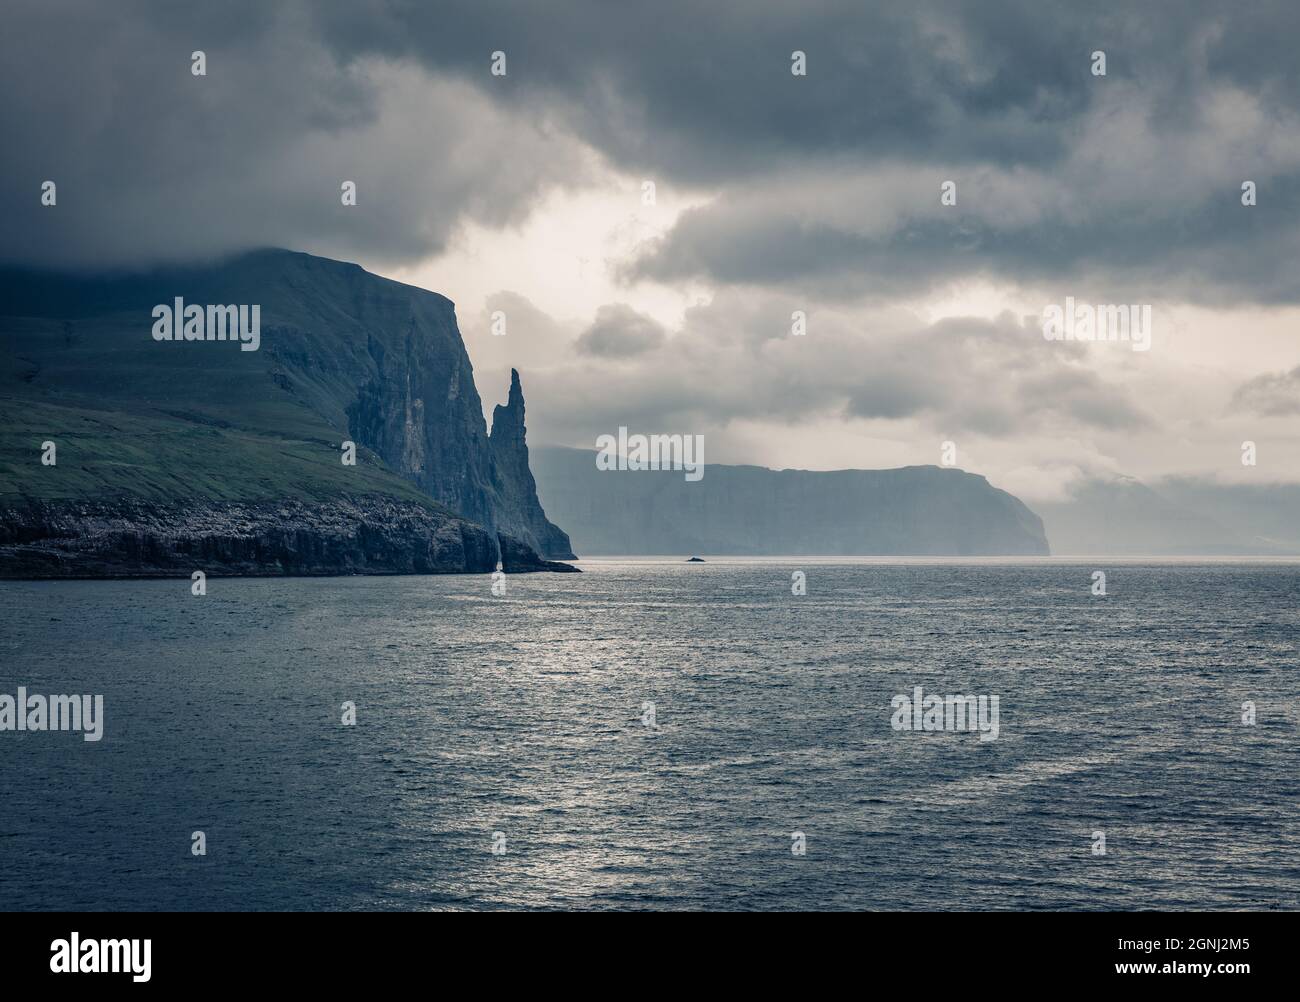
(152, 162)
(703, 91)
(1135, 174)
(1198, 244)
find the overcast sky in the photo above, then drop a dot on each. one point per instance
(524, 193)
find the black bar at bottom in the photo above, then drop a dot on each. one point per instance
(931, 952)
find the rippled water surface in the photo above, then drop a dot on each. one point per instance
(523, 715)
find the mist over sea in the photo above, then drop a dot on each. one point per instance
(523, 715)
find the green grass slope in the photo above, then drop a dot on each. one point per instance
(106, 454)
(133, 417)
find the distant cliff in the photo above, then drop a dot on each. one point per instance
(344, 356)
(749, 510)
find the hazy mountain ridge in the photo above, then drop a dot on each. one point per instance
(1174, 516)
(751, 510)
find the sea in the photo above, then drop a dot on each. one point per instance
(656, 734)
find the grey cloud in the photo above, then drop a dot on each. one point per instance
(620, 332)
(730, 363)
(998, 378)
(1271, 395)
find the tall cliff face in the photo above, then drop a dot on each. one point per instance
(344, 355)
(421, 413)
(418, 410)
(748, 510)
(513, 480)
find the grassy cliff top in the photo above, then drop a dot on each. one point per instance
(102, 454)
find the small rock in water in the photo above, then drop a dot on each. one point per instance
(696, 560)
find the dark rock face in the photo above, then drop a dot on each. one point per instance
(521, 511)
(417, 408)
(133, 538)
(422, 415)
(748, 510)
(519, 558)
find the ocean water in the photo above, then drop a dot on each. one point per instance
(523, 715)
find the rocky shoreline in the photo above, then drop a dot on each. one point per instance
(135, 538)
